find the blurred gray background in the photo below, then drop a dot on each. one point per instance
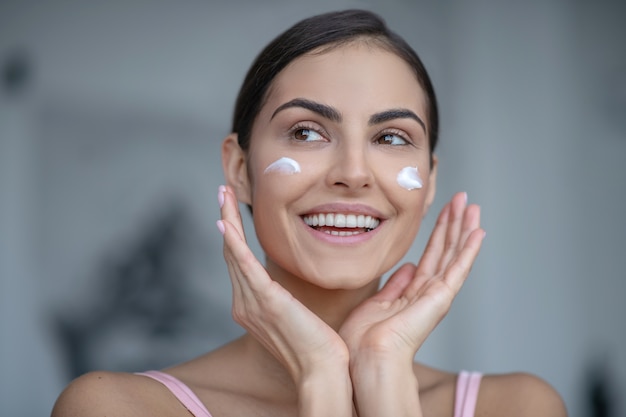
(111, 117)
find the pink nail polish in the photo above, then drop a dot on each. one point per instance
(220, 195)
(220, 226)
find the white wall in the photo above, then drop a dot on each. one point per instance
(533, 97)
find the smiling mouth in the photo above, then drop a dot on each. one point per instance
(340, 224)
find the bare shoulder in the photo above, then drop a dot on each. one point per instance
(112, 393)
(518, 395)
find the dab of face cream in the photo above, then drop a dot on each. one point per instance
(283, 165)
(409, 178)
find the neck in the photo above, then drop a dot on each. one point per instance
(331, 305)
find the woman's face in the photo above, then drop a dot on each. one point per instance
(351, 119)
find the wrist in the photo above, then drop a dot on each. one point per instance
(385, 386)
(328, 363)
(327, 391)
(381, 362)
(384, 372)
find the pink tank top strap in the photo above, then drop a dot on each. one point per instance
(467, 386)
(181, 391)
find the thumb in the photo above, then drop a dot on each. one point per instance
(397, 283)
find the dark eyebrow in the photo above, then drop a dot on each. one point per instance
(333, 114)
(395, 114)
(323, 110)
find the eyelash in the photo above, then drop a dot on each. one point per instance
(304, 126)
(394, 132)
(321, 132)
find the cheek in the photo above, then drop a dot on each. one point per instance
(278, 186)
(404, 176)
(405, 186)
(409, 178)
(284, 165)
(267, 172)
(285, 170)
(278, 181)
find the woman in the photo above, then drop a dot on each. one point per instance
(332, 150)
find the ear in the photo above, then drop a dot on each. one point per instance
(432, 184)
(236, 169)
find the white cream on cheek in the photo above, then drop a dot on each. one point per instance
(283, 165)
(409, 178)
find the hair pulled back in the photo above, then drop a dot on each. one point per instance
(330, 30)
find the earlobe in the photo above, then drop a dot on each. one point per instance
(235, 168)
(432, 184)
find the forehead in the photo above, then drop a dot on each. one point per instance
(353, 77)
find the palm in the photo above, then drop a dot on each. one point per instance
(403, 323)
(399, 318)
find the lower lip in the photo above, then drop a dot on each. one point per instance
(343, 240)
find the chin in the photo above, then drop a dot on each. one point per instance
(340, 277)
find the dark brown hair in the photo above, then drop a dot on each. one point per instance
(325, 30)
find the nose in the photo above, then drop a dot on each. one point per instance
(351, 168)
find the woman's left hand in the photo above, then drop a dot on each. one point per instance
(384, 332)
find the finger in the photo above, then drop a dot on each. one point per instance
(460, 268)
(453, 231)
(229, 207)
(434, 248)
(397, 283)
(238, 292)
(429, 263)
(438, 293)
(450, 233)
(255, 295)
(471, 222)
(242, 263)
(231, 264)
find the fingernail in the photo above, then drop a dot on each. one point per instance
(220, 195)
(220, 226)
(465, 196)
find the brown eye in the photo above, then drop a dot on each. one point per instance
(391, 139)
(307, 135)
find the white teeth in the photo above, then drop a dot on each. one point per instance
(360, 220)
(351, 220)
(342, 233)
(330, 219)
(342, 221)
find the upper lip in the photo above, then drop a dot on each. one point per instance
(345, 208)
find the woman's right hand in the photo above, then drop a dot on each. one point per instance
(309, 349)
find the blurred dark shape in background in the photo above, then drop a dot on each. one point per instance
(143, 290)
(600, 388)
(16, 72)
